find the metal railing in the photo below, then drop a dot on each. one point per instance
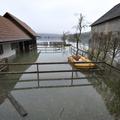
(50, 49)
(81, 52)
(38, 72)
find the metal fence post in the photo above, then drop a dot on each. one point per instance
(38, 74)
(72, 76)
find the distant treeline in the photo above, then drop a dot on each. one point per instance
(85, 37)
(49, 36)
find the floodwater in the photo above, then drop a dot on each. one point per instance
(100, 101)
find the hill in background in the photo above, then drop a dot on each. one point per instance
(85, 37)
(49, 36)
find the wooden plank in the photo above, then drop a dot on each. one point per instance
(17, 105)
(3, 68)
(3, 65)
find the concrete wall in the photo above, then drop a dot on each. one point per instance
(7, 51)
(113, 26)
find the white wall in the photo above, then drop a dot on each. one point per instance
(7, 51)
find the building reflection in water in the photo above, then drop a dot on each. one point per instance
(7, 82)
(107, 85)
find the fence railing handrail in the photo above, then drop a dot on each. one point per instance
(37, 71)
(53, 63)
(48, 71)
(80, 49)
(115, 68)
(48, 63)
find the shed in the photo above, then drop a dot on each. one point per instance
(15, 35)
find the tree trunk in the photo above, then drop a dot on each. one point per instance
(77, 48)
(104, 56)
(97, 56)
(112, 61)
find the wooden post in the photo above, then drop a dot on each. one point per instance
(7, 66)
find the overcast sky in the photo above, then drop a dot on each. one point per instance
(55, 16)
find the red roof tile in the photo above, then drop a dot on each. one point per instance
(10, 32)
(21, 24)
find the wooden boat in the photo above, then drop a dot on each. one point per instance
(73, 61)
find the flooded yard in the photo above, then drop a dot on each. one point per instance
(59, 95)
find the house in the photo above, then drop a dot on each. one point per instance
(106, 27)
(15, 36)
(109, 22)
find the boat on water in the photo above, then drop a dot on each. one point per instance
(80, 62)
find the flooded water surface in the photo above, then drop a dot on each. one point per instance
(58, 96)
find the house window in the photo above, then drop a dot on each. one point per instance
(1, 49)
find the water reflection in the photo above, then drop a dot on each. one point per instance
(66, 103)
(107, 85)
(70, 103)
(7, 82)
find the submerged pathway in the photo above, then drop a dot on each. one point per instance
(74, 103)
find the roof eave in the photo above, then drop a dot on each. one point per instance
(15, 40)
(95, 24)
(8, 15)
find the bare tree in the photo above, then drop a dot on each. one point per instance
(115, 46)
(99, 46)
(79, 28)
(106, 44)
(92, 45)
(64, 38)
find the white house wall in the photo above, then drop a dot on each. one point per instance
(7, 51)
